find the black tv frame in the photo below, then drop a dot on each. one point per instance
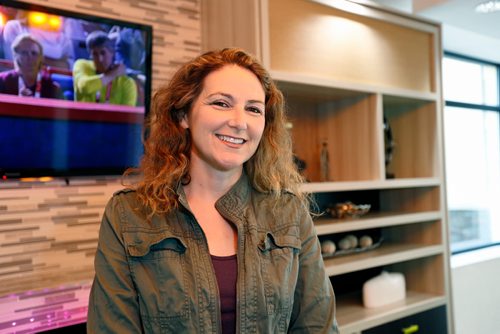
(8, 174)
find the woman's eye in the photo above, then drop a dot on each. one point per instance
(255, 110)
(221, 104)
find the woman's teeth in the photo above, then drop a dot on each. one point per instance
(231, 139)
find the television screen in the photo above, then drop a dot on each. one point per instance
(74, 91)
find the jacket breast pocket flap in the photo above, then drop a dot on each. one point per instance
(271, 240)
(140, 244)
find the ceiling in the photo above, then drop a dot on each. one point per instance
(457, 13)
(461, 14)
(465, 31)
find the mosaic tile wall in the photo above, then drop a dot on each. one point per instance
(48, 231)
(48, 236)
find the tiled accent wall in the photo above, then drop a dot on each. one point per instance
(48, 231)
(48, 237)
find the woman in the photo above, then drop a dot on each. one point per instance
(27, 78)
(215, 238)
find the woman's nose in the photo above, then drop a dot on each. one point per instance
(238, 118)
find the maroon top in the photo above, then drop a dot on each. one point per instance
(9, 84)
(226, 271)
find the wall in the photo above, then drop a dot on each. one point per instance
(48, 230)
(471, 44)
(475, 292)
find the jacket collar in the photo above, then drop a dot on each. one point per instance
(232, 204)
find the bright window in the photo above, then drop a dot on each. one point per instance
(472, 148)
(470, 82)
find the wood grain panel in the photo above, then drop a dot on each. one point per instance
(318, 40)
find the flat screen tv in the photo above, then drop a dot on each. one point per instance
(55, 129)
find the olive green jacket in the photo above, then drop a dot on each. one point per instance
(156, 275)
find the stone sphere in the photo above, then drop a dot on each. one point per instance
(365, 241)
(328, 247)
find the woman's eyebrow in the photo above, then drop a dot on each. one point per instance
(256, 101)
(230, 97)
(226, 95)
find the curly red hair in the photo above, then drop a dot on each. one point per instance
(167, 149)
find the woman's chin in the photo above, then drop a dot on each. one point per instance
(229, 165)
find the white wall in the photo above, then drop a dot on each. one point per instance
(475, 292)
(471, 44)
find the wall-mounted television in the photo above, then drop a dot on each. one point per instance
(68, 120)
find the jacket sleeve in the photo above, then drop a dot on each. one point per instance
(113, 305)
(314, 300)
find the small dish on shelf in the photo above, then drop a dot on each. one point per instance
(348, 210)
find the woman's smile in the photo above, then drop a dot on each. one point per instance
(231, 140)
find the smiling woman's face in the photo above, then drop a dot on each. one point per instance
(227, 119)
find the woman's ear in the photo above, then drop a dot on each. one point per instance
(184, 121)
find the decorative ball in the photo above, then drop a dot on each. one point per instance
(328, 247)
(345, 243)
(365, 241)
(353, 240)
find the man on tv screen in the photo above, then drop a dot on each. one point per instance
(102, 80)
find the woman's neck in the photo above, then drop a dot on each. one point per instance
(210, 184)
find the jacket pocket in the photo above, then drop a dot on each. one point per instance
(158, 266)
(279, 266)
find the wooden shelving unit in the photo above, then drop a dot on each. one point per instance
(357, 318)
(344, 67)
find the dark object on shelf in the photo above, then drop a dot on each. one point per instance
(324, 162)
(432, 321)
(389, 147)
(348, 210)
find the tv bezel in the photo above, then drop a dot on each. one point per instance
(20, 173)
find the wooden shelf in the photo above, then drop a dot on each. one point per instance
(318, 187)
(353, 317)
(372, 220)
(384, 255)
(326, 88)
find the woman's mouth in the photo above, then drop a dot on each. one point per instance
(232, 140)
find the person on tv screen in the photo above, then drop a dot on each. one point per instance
(102, 80)
(27, 78)
(48, 30)
(215, 237)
